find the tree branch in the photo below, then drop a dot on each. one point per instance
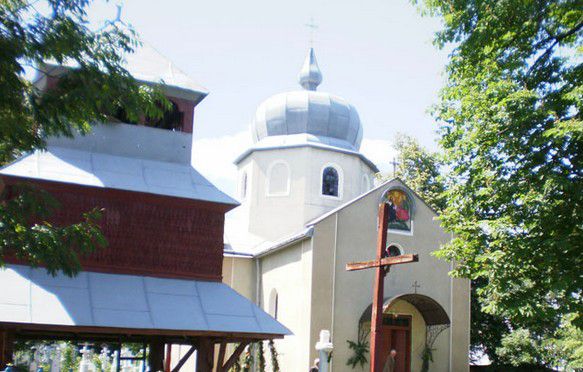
(557, 39)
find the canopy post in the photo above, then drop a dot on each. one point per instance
(6, 348)
(205, 355)
(156, 354)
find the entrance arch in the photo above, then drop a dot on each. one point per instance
(411, 324)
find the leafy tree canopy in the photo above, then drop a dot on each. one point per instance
(99, 84)
(512, 135)
(420, 170)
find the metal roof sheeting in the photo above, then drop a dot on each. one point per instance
(123, 157)
(32, 296)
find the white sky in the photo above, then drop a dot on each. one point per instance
(375, 53)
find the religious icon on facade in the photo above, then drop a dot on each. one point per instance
(400, 210)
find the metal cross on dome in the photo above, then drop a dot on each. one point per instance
(382, 265)
(313, 27)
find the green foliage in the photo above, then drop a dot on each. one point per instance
(360, 350)
(248, 359)
(420, 170)
(487, 330)
(274, 355)
(99, 84)
(563, 349)
(519, 348)
(512, 135)
(71, 358)
(26, 234)
(427, 358)
(260, 356)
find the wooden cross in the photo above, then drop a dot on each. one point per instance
(382, 265)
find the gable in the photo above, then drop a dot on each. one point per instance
(377, 194)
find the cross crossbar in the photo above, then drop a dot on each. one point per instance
(383, 262)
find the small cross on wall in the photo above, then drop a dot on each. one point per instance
(415, 286)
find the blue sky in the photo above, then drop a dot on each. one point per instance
(375, 53)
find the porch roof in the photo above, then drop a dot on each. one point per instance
(97, 301)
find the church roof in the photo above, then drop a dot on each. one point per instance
(148, 65)
(32, 296)
(302, 140)
(320, 116)
(125, 157)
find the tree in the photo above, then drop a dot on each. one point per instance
(420, 170)
(512, 136)
(99, 84)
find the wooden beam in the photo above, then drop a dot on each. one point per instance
(50, 330)
(184, 359)
(168, 360)
(233, 358)
(221, 357)
(156, 354)
(205, 350)
(387, 261)
(6, 348)
(376, 321)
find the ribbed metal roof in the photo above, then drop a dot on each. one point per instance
(327, 118)
(31, 296)
(125, 157)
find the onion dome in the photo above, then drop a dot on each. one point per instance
(308, 115)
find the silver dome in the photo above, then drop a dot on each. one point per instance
(321, 117)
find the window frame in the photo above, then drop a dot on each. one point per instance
(268, 179)
(340, 173)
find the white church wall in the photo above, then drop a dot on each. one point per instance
(322, 289)
(460, 326)
(274, 215)
(288, 272)
(239, 274)
(356, 241)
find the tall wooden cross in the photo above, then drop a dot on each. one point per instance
(382, 265)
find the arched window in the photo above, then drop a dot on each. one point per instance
(278, 179)
(392, 251)
(273, 304)
(330, 181)
(243, 187)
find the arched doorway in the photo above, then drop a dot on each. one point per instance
(411, 324)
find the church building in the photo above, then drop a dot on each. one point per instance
(308, 207)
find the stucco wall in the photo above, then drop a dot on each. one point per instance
(289, 273)
(275, 216)
(239, 274)
(356, 241)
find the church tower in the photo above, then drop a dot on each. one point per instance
(305, 159)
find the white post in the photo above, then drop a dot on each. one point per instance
(324, 347)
